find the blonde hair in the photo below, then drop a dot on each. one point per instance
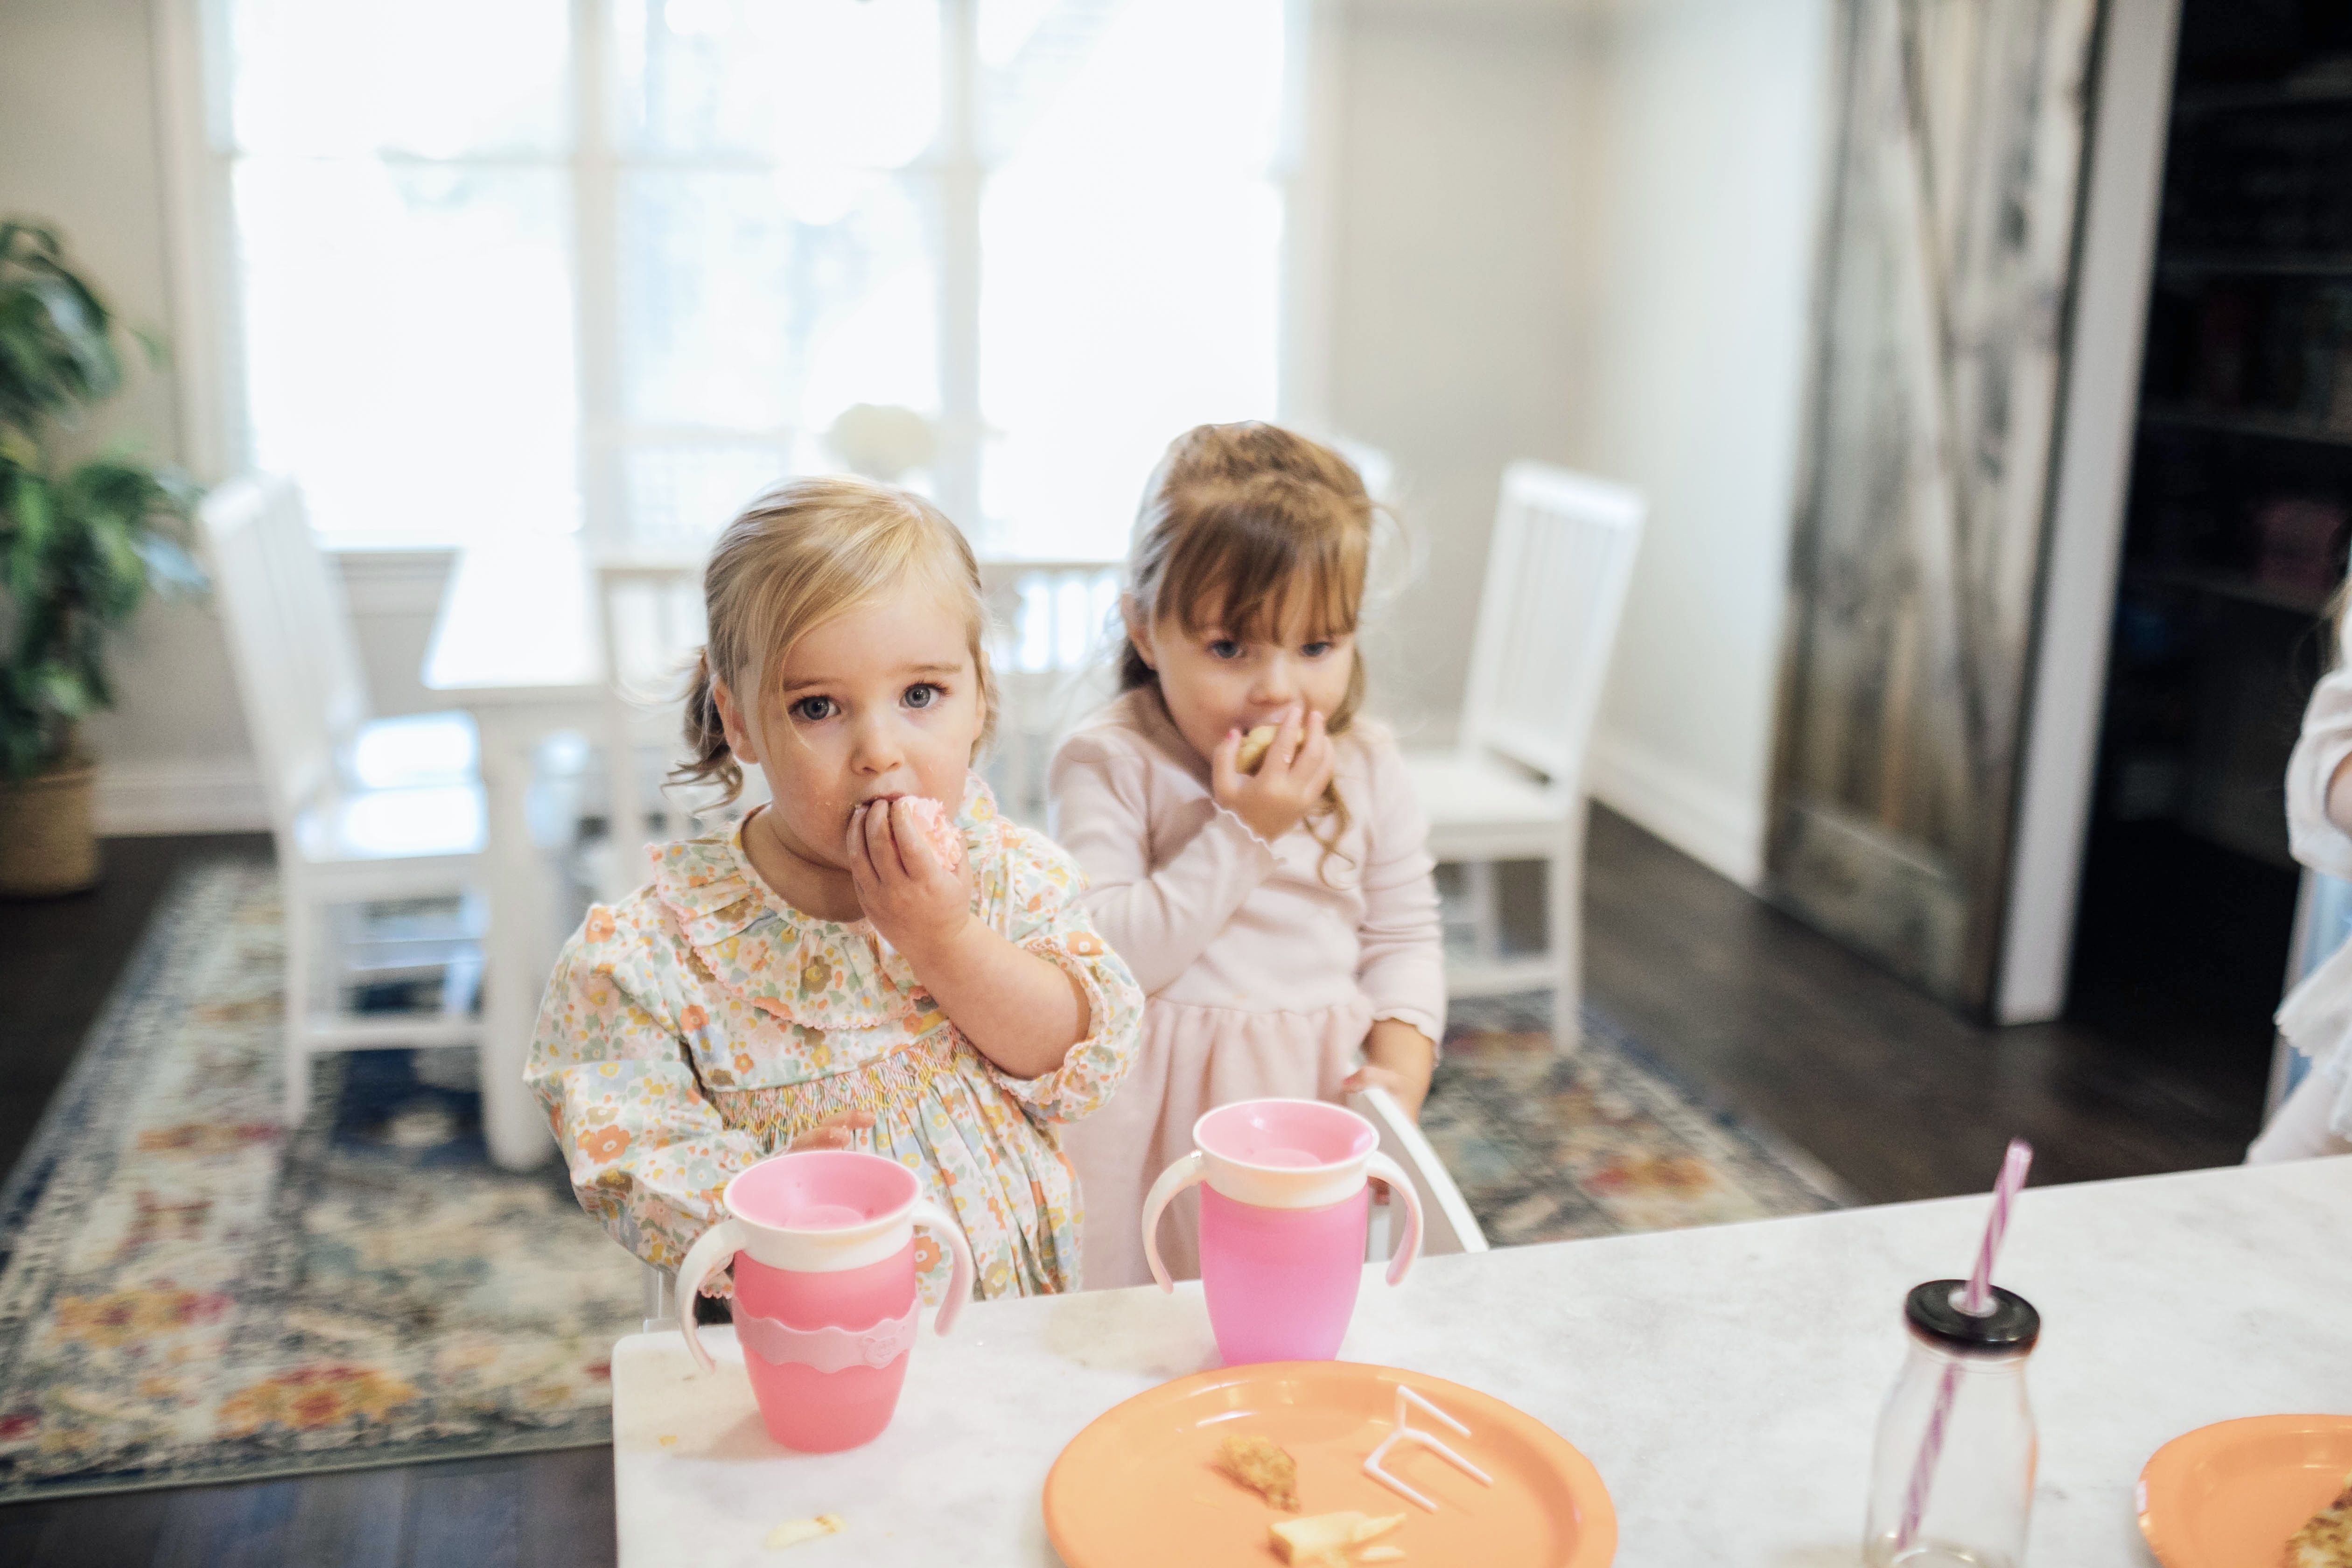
(803, 553)
(1236, 520)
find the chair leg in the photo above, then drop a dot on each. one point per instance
(1564, 914)
(1486, 910)
(296, 983)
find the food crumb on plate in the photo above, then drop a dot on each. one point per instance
(792, 1531)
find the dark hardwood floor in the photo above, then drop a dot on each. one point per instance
(1897, 1096)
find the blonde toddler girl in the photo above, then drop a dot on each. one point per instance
(823, 974)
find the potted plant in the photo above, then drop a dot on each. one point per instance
(80, 545)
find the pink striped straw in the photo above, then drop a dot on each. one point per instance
(1976, 1300)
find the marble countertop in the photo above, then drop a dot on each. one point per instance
(1725, 1381)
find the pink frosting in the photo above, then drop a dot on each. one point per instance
(938, 830)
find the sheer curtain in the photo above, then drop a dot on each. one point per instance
(517, 266)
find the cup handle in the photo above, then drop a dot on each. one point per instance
(710, 1252)
(929, 1214)
(1400, 1186)
(1192, 1168)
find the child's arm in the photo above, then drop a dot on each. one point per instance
(1160, 922)
(1019, 1011)
(646, 1152)
(1402, 962)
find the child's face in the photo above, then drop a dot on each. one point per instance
(877, 702)
(1215, 682)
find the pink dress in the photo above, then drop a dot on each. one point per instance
(1265, 964)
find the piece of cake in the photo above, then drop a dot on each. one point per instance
(940, 831)
(2326, 1539)
(1254, 747)
(1332, 1540)
(1265, 1469)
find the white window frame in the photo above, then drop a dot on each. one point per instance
(215, 435)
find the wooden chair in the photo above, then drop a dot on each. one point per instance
(362, 813)
(1512, 788)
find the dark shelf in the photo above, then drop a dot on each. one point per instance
(2271, 427)
(2229, 585)
(2253, 264)
(2260, 95)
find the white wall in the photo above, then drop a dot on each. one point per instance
(1714, 143)
(78, 148)
(1459, 239)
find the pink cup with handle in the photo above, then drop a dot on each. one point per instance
(824, 1247)
(1284, 1217)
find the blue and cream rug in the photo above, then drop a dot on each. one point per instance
(190, 1291)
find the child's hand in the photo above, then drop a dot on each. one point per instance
(916, 904)
(836, 1132)
(1397, 1057)
(1292, 778)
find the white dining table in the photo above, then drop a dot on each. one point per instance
(515, 645)
(1726, 1382)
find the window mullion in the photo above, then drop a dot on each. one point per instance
(956, 472)
(595, 261)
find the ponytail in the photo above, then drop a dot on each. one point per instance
(705, 737)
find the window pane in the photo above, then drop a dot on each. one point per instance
(827, 82)
(1131, 241)
(739, 314)
(408, 342)
(678, 498)
(434, 78)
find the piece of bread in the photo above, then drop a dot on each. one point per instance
(1333, 1540)
(1265, 1469)
(2326, 1539)
(940, 830)
(1254, 747)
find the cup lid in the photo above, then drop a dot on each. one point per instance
(1933, 1310)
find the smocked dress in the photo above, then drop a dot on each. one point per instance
(1266, 963)
(702, 1023)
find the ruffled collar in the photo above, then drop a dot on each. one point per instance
(821, 974)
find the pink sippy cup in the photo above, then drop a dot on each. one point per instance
(1283, 1224)
(824, 1244)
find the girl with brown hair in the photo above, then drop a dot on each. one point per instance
(1279, 910)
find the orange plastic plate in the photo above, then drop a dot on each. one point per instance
(1141, 1487)
(2230, 1494)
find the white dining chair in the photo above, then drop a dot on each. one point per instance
(1446, 1222)
(361, 812)
(649, 616)
(1513, 786)
(1050, 642)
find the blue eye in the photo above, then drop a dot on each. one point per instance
(1224, 647)
(811, 710)
(923, 694)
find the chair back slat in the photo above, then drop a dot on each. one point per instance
(289, 639)
(1557, 571)
(1050, 629)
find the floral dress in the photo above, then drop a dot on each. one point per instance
(702, 1023)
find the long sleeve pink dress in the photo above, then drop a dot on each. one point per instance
(1263, 964)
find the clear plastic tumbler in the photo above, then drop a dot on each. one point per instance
(1951, 1484)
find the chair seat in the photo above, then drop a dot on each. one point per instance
(1475, 792)
(417, 750)
(372, 826)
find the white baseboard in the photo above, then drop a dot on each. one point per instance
(1720, 828)
(204, 795)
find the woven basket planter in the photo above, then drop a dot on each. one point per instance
(48, 843)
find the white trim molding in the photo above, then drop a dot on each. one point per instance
(1719, 827)
(194, 794)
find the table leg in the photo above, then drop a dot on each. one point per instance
(520, 946)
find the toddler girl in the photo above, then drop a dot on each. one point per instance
(830, 973)
(1284, 922)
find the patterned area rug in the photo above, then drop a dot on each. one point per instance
(1603, 1140)
(192, 1294)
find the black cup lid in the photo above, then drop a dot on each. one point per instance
(1933, 1309)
